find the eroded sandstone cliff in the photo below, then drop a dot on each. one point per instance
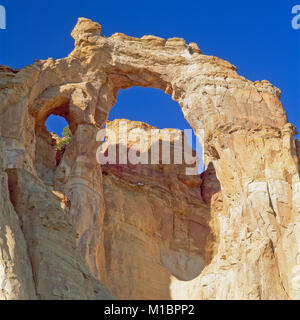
(249, 198)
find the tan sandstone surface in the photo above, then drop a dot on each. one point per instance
(238, 238)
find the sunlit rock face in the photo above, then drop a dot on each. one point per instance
(16, 279)
(252, 203)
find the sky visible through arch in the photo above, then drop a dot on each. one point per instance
(156, 108)
(56, 124)
(254, 35)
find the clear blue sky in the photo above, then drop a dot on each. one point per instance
(254, 35)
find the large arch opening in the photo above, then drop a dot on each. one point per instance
(160, 213)
(154, 107)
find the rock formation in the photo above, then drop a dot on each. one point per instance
(242, 241)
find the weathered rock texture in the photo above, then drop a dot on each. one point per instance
(254, 220)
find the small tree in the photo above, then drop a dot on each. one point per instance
(66, 139)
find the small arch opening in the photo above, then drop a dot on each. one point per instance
(53, 135)
(56, 124)
(60, 133)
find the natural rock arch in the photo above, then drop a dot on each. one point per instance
(241, 125)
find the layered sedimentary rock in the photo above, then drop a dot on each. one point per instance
(254, 222)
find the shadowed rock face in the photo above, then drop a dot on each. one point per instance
(155, 221)
(253, 244)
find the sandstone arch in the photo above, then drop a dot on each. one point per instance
(241, 125)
